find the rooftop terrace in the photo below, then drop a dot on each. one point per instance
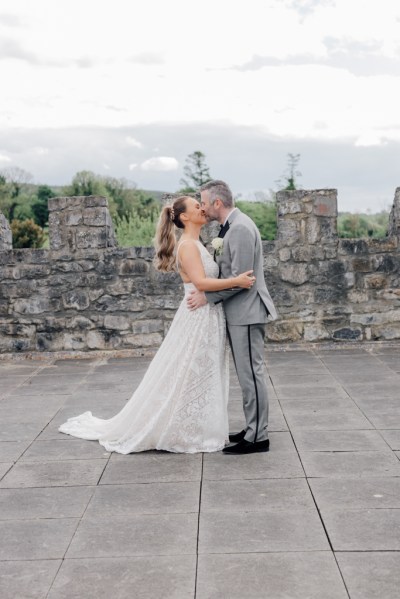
(317, 516)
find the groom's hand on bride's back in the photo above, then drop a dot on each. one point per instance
(196, 299)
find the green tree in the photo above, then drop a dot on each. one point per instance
(135, 230)
(353, 226)
(86, 183)
(196, 172)
(288, 180)
(40, 207)
(264, 216)
(27, 234)
(13, 193)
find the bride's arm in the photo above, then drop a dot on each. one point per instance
(192, 266)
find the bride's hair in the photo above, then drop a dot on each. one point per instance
(165, 240)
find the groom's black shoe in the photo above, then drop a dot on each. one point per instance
(247, 447)
(236, 437)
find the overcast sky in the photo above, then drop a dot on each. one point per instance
(130, 88)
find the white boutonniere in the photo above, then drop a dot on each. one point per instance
(218, 244)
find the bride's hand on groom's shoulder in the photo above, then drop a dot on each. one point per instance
(196, 299)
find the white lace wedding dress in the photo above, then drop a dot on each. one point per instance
(181, 403)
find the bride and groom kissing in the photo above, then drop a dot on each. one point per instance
(181, 404)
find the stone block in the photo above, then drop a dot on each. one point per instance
(375, 281)
(312, 230)
(296, 274)
(325, 205)
(5, 234)
(119, 323)
(34, 305)
(284, 330)
(147, 326)
(133, 267)
(288, 233)
(76, 298)
(347, 333)
(73, 218)
(284, 254)
(95, 217)
(361, 264)
(142, 340)
(315, 333)
(353, 246)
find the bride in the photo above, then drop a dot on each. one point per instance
(181, 403)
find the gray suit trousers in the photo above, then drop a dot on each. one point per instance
(247, 344)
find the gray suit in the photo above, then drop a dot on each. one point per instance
(247, 311)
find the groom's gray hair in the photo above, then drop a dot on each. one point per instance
(219, 190)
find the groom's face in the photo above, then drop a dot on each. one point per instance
(210, 210)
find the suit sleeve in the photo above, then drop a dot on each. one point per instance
(241, 247)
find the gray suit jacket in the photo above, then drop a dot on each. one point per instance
(242, 250)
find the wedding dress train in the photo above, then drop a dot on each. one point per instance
(181, 403)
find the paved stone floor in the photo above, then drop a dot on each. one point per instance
(316, 517)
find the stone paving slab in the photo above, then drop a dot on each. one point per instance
(4, 468)
(348, 419)
(166, 576)
(297, 575)
(20, 431)
(27, 579)
(152, 466)
(356, 568)
(363, 530)
(256, 495)
(149, 534)
(344, 440)
(77, 522)
(150, 498)
(375, 493)
(247, 532)
(61, 449)
(54, 474)
(36, 539)
(10, 451)
(48, 502)
(392, 437)
(350, 464)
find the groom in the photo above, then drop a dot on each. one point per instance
(246, 311)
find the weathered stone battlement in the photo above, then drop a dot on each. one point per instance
(86, 294)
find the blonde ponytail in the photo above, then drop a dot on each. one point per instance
(165, 240)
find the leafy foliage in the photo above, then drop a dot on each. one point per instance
(264, 216)
(40, 208)
(27, 234)
(363, 225)
(136, 230)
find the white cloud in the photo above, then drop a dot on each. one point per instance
(131, 141)
(40, 151)
(133, 166)
(160, 163)
(4, 158)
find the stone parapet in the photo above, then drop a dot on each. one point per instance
(5, 234)
(394, 217)
(87, 294)
(80, 222)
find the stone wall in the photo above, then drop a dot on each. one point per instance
(86, 294)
